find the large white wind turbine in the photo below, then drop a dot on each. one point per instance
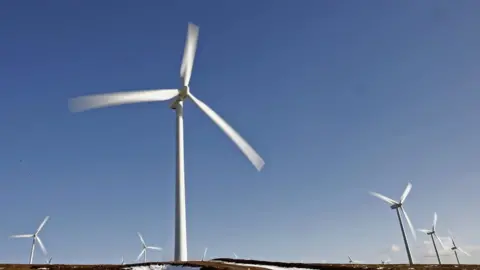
(455, 247)
(144, 249)
(36, 238)
(399, 205)
(111, 99)
(433, 233)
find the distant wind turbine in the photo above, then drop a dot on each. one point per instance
(433, 233)
(236, 257)
(35, 239)
(386, 261)
(123, 261)
(399, 205)
(353, 261)
(49, 261)
(455, 248)
(144, 249)
(179, 95)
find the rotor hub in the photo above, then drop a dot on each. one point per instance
(183, 93)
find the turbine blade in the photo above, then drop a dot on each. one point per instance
(155, 248)
(141, 239)
(189, 53)
(440, 241)
(406, 192)
(409, 223)
(140, 255)
(44, 250)
(204, 253)
(434, 220)
(383, 198)
(22, 236)
(247, 150)
(84, 103)
(423, 230)
(463, 251)
(42, 224)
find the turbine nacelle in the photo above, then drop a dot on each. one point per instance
(395, 206)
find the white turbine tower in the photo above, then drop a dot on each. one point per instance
(35, 239)
(454, 248)
(433, 233)
(399, 205)
(111, 99)
(144, 249)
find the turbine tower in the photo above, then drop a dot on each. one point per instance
(455, 248)
(433, 233)
(36, 239)
(144, 249)
(111, 99)
(399, 205)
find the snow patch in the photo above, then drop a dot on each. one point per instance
(161, 267)
(271, 267)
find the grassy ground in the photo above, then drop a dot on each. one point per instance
(217, 264)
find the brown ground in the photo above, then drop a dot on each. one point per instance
(218, 265)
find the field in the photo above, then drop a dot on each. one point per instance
(228, 264)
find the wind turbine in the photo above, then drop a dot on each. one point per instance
(399, 205)
(455, 248)
(36, 238)
(432, 233)
(144, 249)
(352, 261)
(236, 257)
(123, 261)
(386, 261)
(182, 94)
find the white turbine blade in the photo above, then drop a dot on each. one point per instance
(22, 236)
(440, 241)
(434, 220)
(141, 239)
(44, 250)
(204, 253)
(463, 251)
(141, 253)
(383, 198)
(155, 248)
(409, 223)
(236, 257)
(42, 224)
(423, 230)
(247, 150)
(84, 103)
(405, 193)
(189, 53)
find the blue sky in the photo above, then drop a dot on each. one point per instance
(338, 97)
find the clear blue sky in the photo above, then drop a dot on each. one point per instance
(338, 97)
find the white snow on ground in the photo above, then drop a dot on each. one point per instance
(161, 267)
(271, 267)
